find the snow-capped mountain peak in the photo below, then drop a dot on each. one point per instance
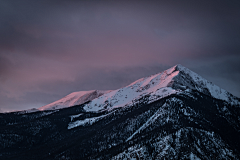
(171, 81)
(191, 123)
(155, 86)
(191, 80)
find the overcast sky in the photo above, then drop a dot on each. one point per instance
(49, 49)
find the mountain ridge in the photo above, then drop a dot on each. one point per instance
(74, 98)
(171, 81)
(174, 114)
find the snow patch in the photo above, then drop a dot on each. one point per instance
(87, 121)
(193, 157)
(75, 116)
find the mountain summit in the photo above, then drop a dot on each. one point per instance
(172, 81)
(175, 114)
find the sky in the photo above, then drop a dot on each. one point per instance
(49, 49)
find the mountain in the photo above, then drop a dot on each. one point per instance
(172, 81)
(75, 98)
(175, 114)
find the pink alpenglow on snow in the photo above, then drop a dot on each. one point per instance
(75, 98)
(175, 80)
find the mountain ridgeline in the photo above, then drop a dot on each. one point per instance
(175, 114)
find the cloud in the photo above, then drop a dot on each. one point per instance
(51, 48)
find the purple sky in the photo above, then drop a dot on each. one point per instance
(49, 49)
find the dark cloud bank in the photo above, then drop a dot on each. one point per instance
(51, 48)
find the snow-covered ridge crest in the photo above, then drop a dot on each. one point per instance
(154, 86)
(171, 81)
(75, 98)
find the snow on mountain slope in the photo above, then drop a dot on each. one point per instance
(171, 81)
(73, 99)
(155, 86)
(202, 85)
